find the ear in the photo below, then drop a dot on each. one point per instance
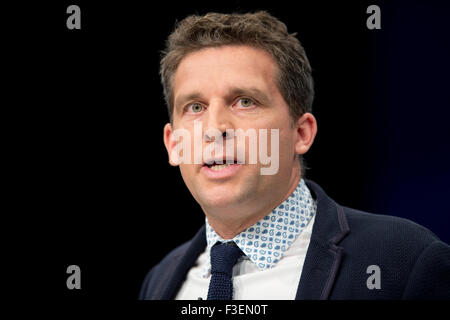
(169, 142)
(306, 129)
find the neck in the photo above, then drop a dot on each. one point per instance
(228, 226)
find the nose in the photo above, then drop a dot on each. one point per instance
(218, 118)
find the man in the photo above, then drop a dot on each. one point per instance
(270, 234)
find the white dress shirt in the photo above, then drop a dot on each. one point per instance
(275, 250)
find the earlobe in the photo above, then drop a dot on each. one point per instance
(306, 130)
(168, 141)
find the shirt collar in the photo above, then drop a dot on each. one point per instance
(267, 240)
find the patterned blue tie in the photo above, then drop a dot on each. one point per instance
(223, 257)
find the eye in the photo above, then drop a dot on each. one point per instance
(195, 108)
(245, 102)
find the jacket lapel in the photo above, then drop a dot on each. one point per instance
(324, 256)
(183, 265)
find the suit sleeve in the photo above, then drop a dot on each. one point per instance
(430, 276)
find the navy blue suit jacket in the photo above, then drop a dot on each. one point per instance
(413, 263)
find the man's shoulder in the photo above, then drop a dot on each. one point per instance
(376, 228)
(172, 257)
(175, 253)
(412, 259)
(387, 227)
(183, 256)
(387, 235)
(155, 278)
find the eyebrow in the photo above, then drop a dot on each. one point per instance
(253, 92)
(232, 92)
(181, 100)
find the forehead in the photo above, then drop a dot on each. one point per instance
(214, 70)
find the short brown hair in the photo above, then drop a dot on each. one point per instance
(260, 30)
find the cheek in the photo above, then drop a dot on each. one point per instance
(286, 147)
(285, 135)
(187, 174)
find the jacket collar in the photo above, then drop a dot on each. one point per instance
(322, 258)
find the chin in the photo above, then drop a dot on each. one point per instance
(218, 201)
(219, 198)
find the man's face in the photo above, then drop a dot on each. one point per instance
(233, 87)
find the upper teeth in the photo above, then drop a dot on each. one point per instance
(217, 167)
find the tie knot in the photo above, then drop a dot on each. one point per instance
(223, 257)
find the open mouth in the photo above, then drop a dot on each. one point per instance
(220, 166)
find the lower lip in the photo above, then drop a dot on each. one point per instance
(221, 174)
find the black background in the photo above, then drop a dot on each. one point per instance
(90, 169)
